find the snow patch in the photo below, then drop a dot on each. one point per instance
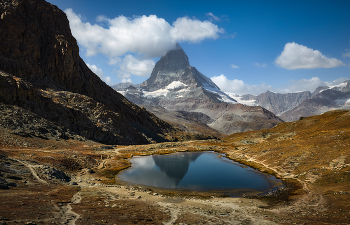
(342, 85)
(238, 98)
(245, 102)
(224, 97)
(166, 90)
(175, 84)
(339, 86)
(157, 93)
(122, 92)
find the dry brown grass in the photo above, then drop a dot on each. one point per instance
(100, 208)
(314, 150)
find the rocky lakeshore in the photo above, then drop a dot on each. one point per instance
(69, 182)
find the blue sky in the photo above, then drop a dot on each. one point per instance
(244, 46)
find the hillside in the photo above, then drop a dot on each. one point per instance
(43, 77)
(313, 151)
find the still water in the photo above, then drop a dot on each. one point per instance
(197, 171)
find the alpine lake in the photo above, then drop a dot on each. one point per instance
(197, 172)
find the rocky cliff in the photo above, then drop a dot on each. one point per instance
(43, 77)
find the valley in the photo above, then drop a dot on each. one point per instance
(316, 176)
(65, 135)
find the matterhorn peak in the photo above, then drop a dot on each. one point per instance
(174, 66)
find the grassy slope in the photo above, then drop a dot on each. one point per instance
(314, 150)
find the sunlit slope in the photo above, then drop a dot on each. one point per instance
(317, 142)
(314, 150)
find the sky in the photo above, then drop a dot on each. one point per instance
(245, 47)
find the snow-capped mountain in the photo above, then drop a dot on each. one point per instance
(275, 102)
(174, 79)
(292, 106)
(323, 99)
(175, 85)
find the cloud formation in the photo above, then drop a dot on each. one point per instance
(131, 65)
(99, 73)
(149, 36)
(262, 65)
(234, 66)
(212, 17)
(238, 86)
(347, 54)
(295, 56)
(309, 84)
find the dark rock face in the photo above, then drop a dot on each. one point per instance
(42, 73)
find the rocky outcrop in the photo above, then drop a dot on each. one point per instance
(43, 74)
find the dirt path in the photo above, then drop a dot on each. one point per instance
(30, 167)
(66, 215)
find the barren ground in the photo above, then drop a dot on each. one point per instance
(66, 182)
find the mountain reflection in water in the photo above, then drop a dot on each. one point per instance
(198, 171)
(176, 165)
(164, 171)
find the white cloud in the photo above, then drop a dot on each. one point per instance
(295, 56)
(114, 61)
(263, 65)
(149, 36)
(193, 30)
(124, 80)
(133, 66)
(238, 86)
(346, 54)
(309, 84)
(212, 17)
(99, 73)
(234, 66)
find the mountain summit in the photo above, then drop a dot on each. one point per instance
(177, 86)
(175, 67)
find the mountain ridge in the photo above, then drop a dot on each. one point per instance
(292, 106)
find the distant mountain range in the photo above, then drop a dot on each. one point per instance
(292, 106)
(174, 85)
